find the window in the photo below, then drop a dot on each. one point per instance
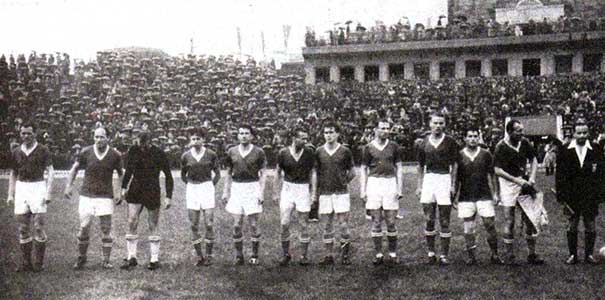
(322, 74)
(499, 67)
(396, 71)
(370, 73)
(531, 67)
(447, 69)
(563, 64)
(473, 68)
(592, 62)
(347, 74)
(421, 71)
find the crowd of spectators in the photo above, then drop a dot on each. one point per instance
(459, 28)
(127, 92)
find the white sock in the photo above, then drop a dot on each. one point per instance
(131, 245)
(154, 248)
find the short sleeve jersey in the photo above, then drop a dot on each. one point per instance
(31, 167)
(438, 158)
(472, 175)
(98, 172)
(245, 168)
(381, 162)
(514, 161)
(296, 171)
(199, 169)
(332, 170)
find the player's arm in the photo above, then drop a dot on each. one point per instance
(50, 173)
(533, 170)
(71, 176)
(278, 182)
(262, 179)
(399, 174)
(492, 184)
(227, 185)
(313, 185)
(12, 181)
(363, 181)
(168, 180)
(119, 169)
(217, 172)
(127, 173)
(184, 168)
(517, 180)
(454, 176)
(420, 170)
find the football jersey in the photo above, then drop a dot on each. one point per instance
(98, 172)
(438, 158)
(472, 175)
(30, 167)
(332, 169)
(514, 161)
(198, 169)
(245, 169)
(381, 162)
(296, 171)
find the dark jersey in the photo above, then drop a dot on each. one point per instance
(296, 171)
(143, 166)
(98, 172)
(438, 158)
(514, 161)
(30, 167)
(245, 169)
(472, 175)
(381, 162)
(332, 170)
(198, 169)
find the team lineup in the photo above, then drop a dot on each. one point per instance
(470, 180)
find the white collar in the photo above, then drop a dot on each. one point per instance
(198, 156)
(333, 151)
(295, 155)
(437, 142)
(507, 142)
(30, 150)
(100, 156)
(378, 146)
(244, 153)
(573, 144)
(470, 155)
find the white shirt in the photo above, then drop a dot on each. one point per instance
(580, 150)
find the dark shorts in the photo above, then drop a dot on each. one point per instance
(149, 199)
(586, 211)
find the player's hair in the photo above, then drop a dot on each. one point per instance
(579, 122)
(144, 136)
(381, 120)
(510, 126)
(101, 127)
(199, 131)
(28, 124)
(295, 130)
(246, 126)
(437, 115)
(472, 128)
(331, 124)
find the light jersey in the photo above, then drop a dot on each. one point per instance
(296, 171)
(332, 170)
(98, 173)
(381, 162)
(30, 167)
(512, 161)
(438, 158)
(472, 174)
(245, 169)
(199, 171)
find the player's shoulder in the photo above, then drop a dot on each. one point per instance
(188, 152)
(232, 149)
(210, 152)
(115, 152)
(43, 148)
(86, 149)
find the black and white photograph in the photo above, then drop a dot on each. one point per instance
(318, 149)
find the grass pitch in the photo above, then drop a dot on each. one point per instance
(179, 279)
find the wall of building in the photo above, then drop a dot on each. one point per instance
(474, 9)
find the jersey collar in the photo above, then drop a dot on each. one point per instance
(29, 151)
(437, 142)
(295, 155)
(198, 156)
(470, 155)
(330, 153)
(100, 156)
(378, 146)
(244, 153)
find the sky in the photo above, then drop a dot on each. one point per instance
(83, 27)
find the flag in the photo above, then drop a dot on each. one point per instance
(286, 29)
(239, 41)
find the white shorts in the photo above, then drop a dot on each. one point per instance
(295, 195)
(382, 193)
(29, 197)
(335, 203)
(509, 192)
(200, 196)
(93, 206)
(484, 208)
(245, 199)
(436, 188)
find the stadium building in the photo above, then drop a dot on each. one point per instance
(559, 52)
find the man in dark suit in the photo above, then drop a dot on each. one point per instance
(579, 181)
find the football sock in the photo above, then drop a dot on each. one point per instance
(285, 247)
(572, 242)
(392, 241)
(255, 245)
(589, 242)
(377, 238)
(197, 246)
(131, 245)
(445, 242)
(154, 248)
(83, 246)
(26, 250)
(106, 245)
